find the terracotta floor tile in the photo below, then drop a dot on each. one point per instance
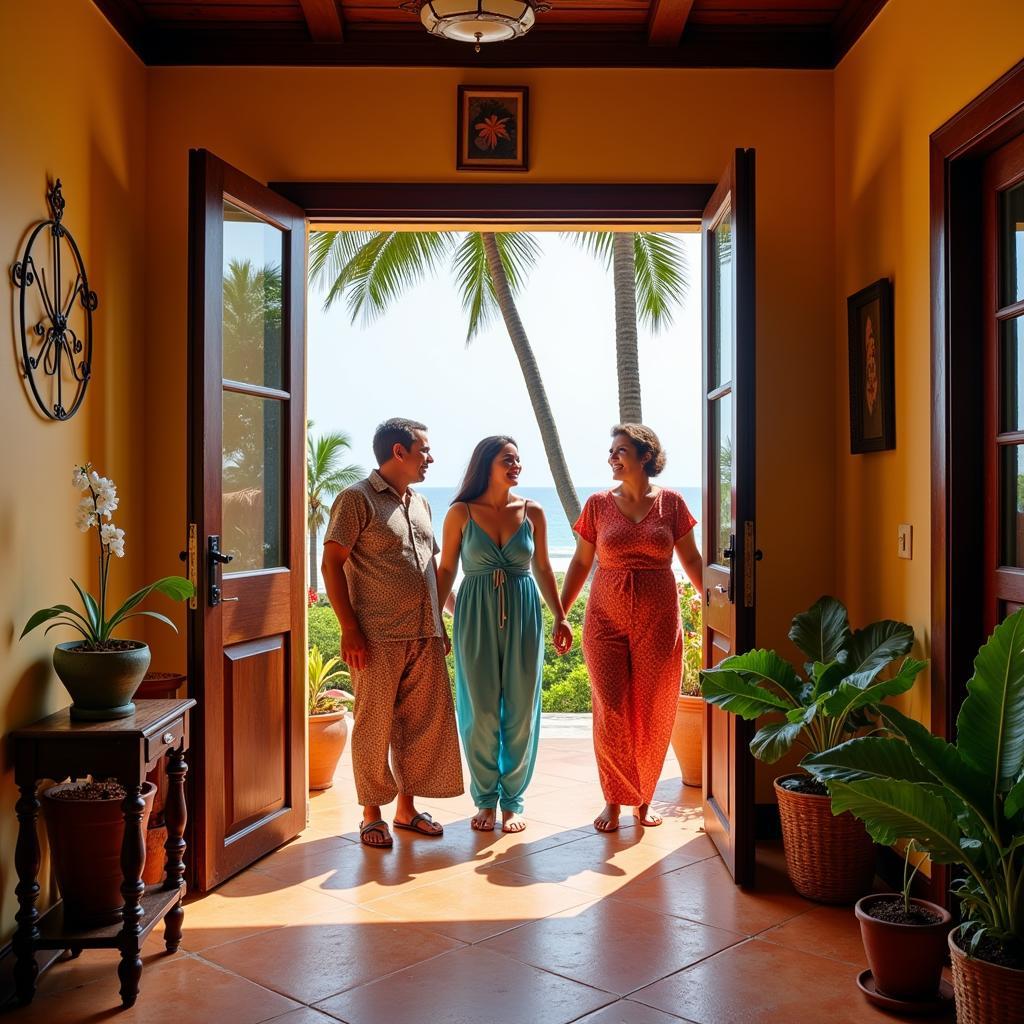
(611, 945)
(625, 1011)
(310, 962)
(706, 892)
(183, 989)
(307, 1015)
(758, 983)
(249, 903)
(826, 931)
(477, 905)
(601, 864)
(468, 986)
(101, 965)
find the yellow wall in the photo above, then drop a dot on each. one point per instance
(74, 107)
(906, 76)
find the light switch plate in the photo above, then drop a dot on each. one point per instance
(905, 541)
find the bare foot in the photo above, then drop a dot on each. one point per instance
(608, 819)
(511, 822)
(483, 820)
(647, 817)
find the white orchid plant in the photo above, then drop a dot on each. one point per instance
(96, 512)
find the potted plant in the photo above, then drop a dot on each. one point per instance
(830, 859)
(905, 943)
(100, 672)
(328, 728)
(688, 729)
(963, 804)
(85, 829)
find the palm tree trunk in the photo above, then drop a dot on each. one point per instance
(627, 361)
(312, 558)
(534, 383)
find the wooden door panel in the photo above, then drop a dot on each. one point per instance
(728, 538)
(257, 714)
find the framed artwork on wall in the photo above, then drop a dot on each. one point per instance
(493, 128)
(872, 384)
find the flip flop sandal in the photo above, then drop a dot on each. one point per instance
(380, 826)
(413, 826)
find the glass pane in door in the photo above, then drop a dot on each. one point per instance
(253, 252)
(721, 270)
(1012, 255)
(253, 477)
(721, 482)
(1011, 373)
(1011, 506)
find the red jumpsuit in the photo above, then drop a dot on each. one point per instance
(633, 640)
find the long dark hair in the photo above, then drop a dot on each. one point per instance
(478, 472)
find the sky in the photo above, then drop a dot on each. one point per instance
(414, 362)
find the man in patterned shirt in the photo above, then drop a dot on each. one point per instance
(379, 571)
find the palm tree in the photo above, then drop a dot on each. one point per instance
(649, 272)
(374, 267)
(324, 479)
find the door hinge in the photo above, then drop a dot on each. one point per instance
(188, 556)
(750, 556)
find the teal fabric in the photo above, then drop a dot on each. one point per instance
(499, 658)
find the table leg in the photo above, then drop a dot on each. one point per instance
(175, 814)
(26, 862)
(133, 855)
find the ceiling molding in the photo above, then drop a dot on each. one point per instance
(323, 20)
(667, 21)
(851, 23)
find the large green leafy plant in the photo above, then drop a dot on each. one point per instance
(963, 802)
(96, 622)
(324, 677)
(843, 683)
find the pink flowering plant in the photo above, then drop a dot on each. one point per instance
(96, 512)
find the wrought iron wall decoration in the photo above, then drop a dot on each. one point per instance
(56, 356)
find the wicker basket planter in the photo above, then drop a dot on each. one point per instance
(985, 993)
(688, 739)
(830, 858)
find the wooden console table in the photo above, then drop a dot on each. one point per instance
(124, 749)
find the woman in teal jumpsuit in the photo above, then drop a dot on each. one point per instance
(498, 629)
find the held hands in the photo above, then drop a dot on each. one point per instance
(353, 647)
(561, 636)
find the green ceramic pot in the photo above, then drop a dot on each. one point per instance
(101, 683)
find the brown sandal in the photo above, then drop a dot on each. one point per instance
(380, 827)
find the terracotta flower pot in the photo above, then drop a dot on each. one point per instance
(905, 959)
(327, 736)
(985, 993)
(85, 843)
(688, 738)
(830, 858)
(101, 683)
(156, 855)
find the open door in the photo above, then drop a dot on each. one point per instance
(729, 542)
(246, 544)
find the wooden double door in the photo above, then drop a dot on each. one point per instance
(247, 494)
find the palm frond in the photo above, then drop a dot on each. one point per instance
(597, 243)
(662, 277)
(330, 252)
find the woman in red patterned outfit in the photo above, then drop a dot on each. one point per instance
(632, 634)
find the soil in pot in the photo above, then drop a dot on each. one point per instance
(327, 737)
(85, 828)
(830, 858)
(987, 991)
(905, 950)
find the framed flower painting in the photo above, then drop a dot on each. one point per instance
(492, 128)
(872, 385)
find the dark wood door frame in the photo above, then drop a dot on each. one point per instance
(958, 150)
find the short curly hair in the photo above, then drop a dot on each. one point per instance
(646, 442)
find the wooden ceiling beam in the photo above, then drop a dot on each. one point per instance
(667, 21)
(323, 20)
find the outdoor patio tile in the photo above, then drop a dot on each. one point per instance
(825, 931)
(182, 989)
(601, 864)
(611, 945)
(475, 906)
(756, 982)
(311, 961)
(705, 892)
(467, 985)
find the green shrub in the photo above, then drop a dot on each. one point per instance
(572, 694)
(324, 631)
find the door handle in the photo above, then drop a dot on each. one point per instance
(215, 558)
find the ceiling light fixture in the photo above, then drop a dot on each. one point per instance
(477, 21)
